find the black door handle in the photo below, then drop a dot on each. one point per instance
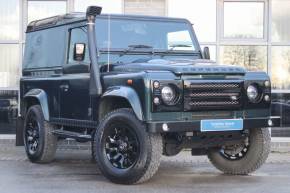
(64, 87)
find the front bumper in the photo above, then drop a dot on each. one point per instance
(189, 126)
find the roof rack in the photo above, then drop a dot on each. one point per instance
(53, 21)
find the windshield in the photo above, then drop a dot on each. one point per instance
(139, 34)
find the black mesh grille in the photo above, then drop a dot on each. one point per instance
(211, 103)
(212, 95)
(214, 86)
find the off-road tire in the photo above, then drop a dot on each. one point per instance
(150, 150)
(93, 152)
(47, 140)
(259, 149)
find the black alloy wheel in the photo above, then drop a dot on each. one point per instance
(124, 151)
(122, 146)
(237, 151)
(32, 133)
(39, 140)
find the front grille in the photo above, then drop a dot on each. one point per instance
(211, 103)
(212, 95)
(214, 86)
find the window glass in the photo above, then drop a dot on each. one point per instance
(280, 21)
(46, 48)
(108, 6)
(43, 9)
(243, 19)
(179, 40)
(78, 35)
(280, 69)
(201, 13)
(253, 58)
(9, 20)
(212, 50)
(9, 68)
(124, 34)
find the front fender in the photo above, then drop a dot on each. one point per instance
(130, 95)
(41, 97)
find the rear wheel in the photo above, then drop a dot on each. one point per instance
(40, 143)
(125, 153)
(244, 158)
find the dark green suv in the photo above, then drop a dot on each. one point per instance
(138, 87)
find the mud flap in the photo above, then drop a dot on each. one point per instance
(19, 131)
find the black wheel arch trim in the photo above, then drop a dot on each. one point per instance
(41, 96)
(130, 95)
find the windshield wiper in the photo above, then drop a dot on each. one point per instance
(137, 46)
(179, 46)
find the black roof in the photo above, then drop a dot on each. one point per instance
(79, 17)
(54, 21)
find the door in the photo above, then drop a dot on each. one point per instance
(74, 95)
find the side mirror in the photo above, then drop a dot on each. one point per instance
(79, 51)
(206, 53)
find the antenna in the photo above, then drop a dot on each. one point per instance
(109, 41)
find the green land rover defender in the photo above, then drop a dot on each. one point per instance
(137, 88)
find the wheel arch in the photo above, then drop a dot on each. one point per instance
(34, 97)
(126, 97)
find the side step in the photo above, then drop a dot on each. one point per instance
(74, 135)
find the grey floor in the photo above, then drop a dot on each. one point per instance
(73, 172)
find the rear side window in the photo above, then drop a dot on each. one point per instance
(45, 48)
(78, 36)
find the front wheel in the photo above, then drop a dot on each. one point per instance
(125, 153)
(244, 158)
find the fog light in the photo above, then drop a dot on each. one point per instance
(156, 101)
(267, 98)
(165, 127)
(267, 83)
(270, 122)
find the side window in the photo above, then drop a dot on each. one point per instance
(78, 39)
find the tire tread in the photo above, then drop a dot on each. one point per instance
(50, 140)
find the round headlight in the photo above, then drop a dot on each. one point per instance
(168, 95)
(252, 93)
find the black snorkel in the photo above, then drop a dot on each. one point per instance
(95, 82)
